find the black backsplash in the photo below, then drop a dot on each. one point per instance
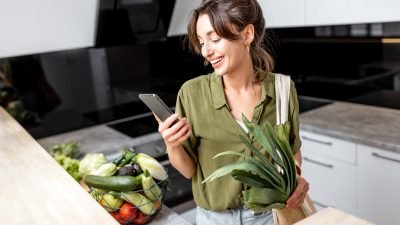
(321, 67)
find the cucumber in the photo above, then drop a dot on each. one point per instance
(114, 183)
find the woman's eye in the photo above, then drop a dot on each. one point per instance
(201, 44)
(216, 40)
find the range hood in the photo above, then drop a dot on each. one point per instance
(180, 16)
(126, 22)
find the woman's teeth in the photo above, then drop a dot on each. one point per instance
(213, 61)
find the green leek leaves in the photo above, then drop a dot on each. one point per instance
(271, 181)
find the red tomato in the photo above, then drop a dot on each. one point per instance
(128, 211)
(141, 218)
(118, 218)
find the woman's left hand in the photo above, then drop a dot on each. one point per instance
(299, 194)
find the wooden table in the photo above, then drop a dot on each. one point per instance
(35, 189)
(332, 216)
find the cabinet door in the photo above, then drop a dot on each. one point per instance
(283, 13)
(330, 147)
(31, 27)
(330, 12)
(379, 185)
(332, 183)
(329, 165)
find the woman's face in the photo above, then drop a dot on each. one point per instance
(225, 56)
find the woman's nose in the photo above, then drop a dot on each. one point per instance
(207, 49)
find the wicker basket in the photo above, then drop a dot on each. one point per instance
(127, 213)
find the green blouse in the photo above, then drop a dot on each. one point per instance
(214, 130)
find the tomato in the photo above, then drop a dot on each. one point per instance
(118, 218)
(141, 218)
(128, 211)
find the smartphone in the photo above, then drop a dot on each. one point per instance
(156, 105)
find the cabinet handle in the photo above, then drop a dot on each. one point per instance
(385, 157)
(320, 204)
(318, 163)
(317, 141)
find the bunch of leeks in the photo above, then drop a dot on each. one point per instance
(272, 180)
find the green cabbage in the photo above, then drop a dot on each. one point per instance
(91, 162)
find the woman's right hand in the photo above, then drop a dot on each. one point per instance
(174, 133)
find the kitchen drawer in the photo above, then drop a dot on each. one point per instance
(334, 148)
(332, 182)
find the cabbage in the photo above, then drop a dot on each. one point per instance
(91, 162)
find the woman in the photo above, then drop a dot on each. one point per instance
(229, 35)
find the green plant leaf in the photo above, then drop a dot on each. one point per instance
(264, 140)
(250, 179)
(264, 196)
(267, 167)
(245, 166)
(288, 155)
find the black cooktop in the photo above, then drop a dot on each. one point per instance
(307, 103)
(137, 127)
(332, 91)
(383, 98)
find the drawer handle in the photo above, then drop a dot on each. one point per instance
(317, 141)
(318, 163)
(385, 157)
(320, 204)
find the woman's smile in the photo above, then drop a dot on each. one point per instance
(216, 61)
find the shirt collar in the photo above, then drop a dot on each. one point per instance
(218, 95)
(217, 91)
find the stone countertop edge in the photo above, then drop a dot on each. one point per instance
(362, 124)
(168, 217)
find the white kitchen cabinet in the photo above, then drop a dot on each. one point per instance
(329, 165)
(31, 27)
(180, 16)
(283, 13)
(332, 12)
(378, 185)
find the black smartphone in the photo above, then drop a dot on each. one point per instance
(156, 105)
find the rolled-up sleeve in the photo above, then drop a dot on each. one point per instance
(294, 136)
(183, 110)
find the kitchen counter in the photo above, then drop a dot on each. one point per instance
(332, 216)
(36, 190)
(374, 126)
(99, 138)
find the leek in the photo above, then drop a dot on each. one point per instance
(271, 181)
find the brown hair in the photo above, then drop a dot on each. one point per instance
(225, 16)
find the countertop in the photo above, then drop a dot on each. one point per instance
(332, 216)
(369, 125)
(36, 190)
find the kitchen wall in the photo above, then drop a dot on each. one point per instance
(108, 79)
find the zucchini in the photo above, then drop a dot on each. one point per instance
(144, 204)
(150, 187)
(115, 183)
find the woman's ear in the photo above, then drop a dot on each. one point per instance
(248, 33)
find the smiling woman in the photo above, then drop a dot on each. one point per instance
(229, 35)
(233, 25)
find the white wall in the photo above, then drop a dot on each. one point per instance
(29, 27)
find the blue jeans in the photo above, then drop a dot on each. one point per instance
(240, 216)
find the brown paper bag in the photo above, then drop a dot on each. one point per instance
(290, 216)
